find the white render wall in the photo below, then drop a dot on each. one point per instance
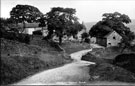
(114, 42)
(30, 30)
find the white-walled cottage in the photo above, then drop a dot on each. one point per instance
(110, 39)
(30, 27)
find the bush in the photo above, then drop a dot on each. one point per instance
(24, 38)
(126, 61)
(87, 40)
(108, 72)
(133, 48)
(92, 58)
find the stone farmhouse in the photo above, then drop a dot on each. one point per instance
(110, 39)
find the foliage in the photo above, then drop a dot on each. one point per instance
(111, 73)
(114, 21)
(126, 61)
(21, 13)
(42, 21)
(24, 38)
(106, 69)
(99, 30)
(7, 24)
(3, 25)
(126, 42)
(85, 37)
(62, 21)
(25, 13)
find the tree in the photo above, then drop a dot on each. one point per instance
(85, 36)
(7, 25)
(126, 42)
(42, 22)
(25, 13)
(99, 29)
(62, 21)
(114, 21)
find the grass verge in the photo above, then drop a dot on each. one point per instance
(104, 70)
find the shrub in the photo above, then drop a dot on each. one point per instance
(126, 61)
(108, 72)
(24, 38)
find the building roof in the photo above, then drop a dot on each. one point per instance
(106, 34)
(29, 25)
(109, 34)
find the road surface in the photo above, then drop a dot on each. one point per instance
(72, 73)
(75, 73)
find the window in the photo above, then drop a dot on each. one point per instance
(109, 43)
(114, 37)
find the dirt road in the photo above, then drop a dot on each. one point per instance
(75, 72)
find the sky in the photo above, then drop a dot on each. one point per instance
(86, 10)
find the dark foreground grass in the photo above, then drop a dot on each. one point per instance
(108, 72)
(105, 70)
(19, 60)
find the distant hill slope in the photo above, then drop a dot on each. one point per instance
(132, 25)
(88, 25)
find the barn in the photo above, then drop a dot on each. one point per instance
(110, 39)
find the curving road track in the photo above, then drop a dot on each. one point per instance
(75, 73)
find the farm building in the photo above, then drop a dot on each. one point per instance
(30, 27)
(110, 39)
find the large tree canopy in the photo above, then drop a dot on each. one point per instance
(117, 22)
(25, 13)
(111, 21)
(62, 21)
(21, 13)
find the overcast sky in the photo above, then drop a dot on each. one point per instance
(87, 10)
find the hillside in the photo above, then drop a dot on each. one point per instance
(132, 25)
(88, 25)
(111, 65)
(20, 60)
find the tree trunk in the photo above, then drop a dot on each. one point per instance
(42, 31)
(23, 27)
(60, 40)
(123, 49)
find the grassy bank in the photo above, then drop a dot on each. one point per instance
(105, 70)
(74, 46)
(109, 53)
(20, 60)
